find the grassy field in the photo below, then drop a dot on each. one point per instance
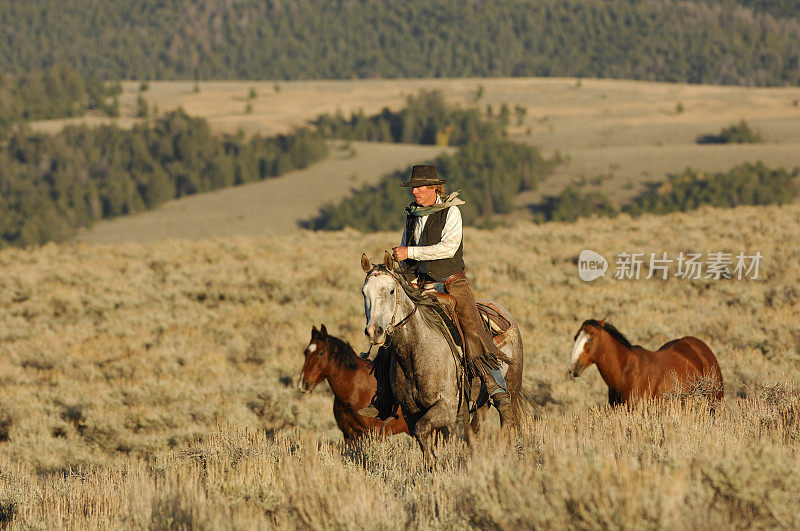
(273, 206)
(617, 134)
(154, 386)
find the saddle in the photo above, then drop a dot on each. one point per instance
(470, 389)
(496, 325)
(494, 321)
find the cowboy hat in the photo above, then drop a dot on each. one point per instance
(423, 175)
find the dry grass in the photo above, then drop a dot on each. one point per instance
(153, 386)
(617, 134)
(563, 113)
(274, 206)
(671, 466)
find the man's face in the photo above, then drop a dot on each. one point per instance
(424, 195)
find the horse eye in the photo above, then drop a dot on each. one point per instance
(590, 338)
(391, 292)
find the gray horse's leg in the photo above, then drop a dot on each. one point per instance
(438, 416)
(477, 419)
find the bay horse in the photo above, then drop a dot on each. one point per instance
(350, 378)
(427, 377)
(681, 367)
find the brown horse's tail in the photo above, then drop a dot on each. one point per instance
(711, 372)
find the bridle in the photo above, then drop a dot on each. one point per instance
(396, 300)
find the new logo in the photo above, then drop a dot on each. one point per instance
(591, 265)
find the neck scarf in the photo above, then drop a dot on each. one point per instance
(422, 211)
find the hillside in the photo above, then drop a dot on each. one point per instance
(53, 184)
(615, 135)
(156, 383)
(276, 206)
(313, 39)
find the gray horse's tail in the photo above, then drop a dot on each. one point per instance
(525, 407)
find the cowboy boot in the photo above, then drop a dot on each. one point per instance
(500, 397)
(502, 402)
(381, 407)
(383, 403)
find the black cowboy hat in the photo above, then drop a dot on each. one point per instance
(423, 175)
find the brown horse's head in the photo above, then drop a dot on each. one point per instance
(316, 361)
(586, 347)
(592, 340)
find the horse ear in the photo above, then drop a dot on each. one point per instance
(314, 332)
(388, 260)
(323, 331)
(365, 265)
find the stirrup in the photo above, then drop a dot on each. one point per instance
(497, 376)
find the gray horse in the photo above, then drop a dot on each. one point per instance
(426, 376)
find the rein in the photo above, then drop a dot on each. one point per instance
(397, 301)
(397, 304)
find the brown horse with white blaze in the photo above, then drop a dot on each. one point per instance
(681, 367)
(329, 358)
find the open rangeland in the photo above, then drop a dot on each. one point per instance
(616, 135)
(154, 386)
(273, 206)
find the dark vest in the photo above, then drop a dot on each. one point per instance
(431, 235)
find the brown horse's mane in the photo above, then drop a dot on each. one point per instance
(611, 329)
(341, 353)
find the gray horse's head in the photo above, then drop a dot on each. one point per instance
(382, 293)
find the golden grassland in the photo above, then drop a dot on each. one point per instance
(273, 206)
(617, 135)
(563, 113)
(154, 386)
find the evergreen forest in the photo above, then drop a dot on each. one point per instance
(489, 174)
(745, 42)
(57, 92)
(50, 185)
(744, 184)
(425, 119)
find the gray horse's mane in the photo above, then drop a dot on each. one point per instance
(417, 295)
